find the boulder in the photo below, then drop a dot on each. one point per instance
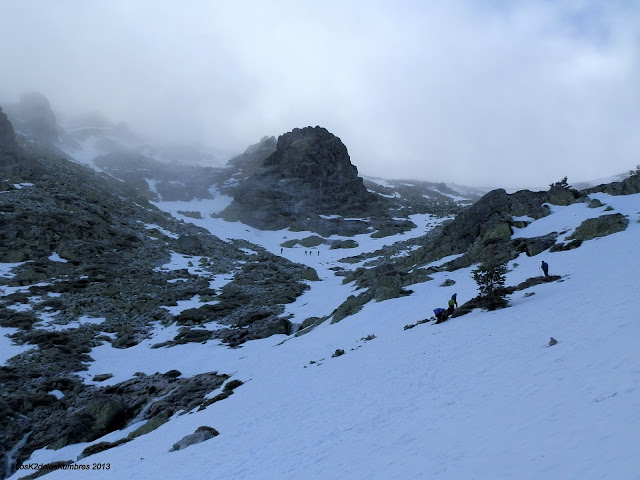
(563, 196)
(600, 227)
(201, 434)
(189, 244)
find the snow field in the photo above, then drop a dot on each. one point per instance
(480, 396)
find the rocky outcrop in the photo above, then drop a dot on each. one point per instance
(627, 186)
(481, 230)
(310, 174)
(8, 147)
(97, 247)
(201, 434)
(253, 157)
(32, 116)
(487, 303)
(489, 224)
(600, 227)
(83, 413)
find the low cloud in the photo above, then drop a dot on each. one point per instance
(479, 93)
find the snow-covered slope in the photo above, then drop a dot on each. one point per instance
(480, 396)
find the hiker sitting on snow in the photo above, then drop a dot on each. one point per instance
(441, 314)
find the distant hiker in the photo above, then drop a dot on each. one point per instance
(305, 252)
(441, 314)
(281, 250)
(545, 268)
(453, 301)
(318, 252)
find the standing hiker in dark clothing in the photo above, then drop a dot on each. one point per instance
(545, 268)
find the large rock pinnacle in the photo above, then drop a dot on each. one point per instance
(309, 174)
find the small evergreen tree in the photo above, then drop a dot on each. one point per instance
(561, 184)
(635, 172)
(490, 277)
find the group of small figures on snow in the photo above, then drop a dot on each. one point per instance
(443, 314)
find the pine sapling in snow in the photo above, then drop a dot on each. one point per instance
(490, 277)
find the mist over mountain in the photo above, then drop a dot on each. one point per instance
(497, 94)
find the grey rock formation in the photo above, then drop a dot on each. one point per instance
(32, 116)
(254, 156)
(600, 227)
(627, 186)
(200, 435)
(482, 230)
(488, 224)
(86, 413)
(309, 174)
(8, 146)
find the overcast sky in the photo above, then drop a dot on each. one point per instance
(478, 92)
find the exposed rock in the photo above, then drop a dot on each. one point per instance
(559, 247)
(627, 186)
(308, 175)
(149, 426)
(33, 116)
(200, 435)
(535, 245)
(600, 227)
(559, 195)
(335, 244)
(8, 146)
(86, 413)
(189, 244)
(484, 227)
(101, 447)
(312, 241)
(532, 281)
(254, 156)
(352, 305)
(488, 224)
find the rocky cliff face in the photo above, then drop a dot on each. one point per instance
(8, 147)
(33, 117)
(253, 157)
(310, 174)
